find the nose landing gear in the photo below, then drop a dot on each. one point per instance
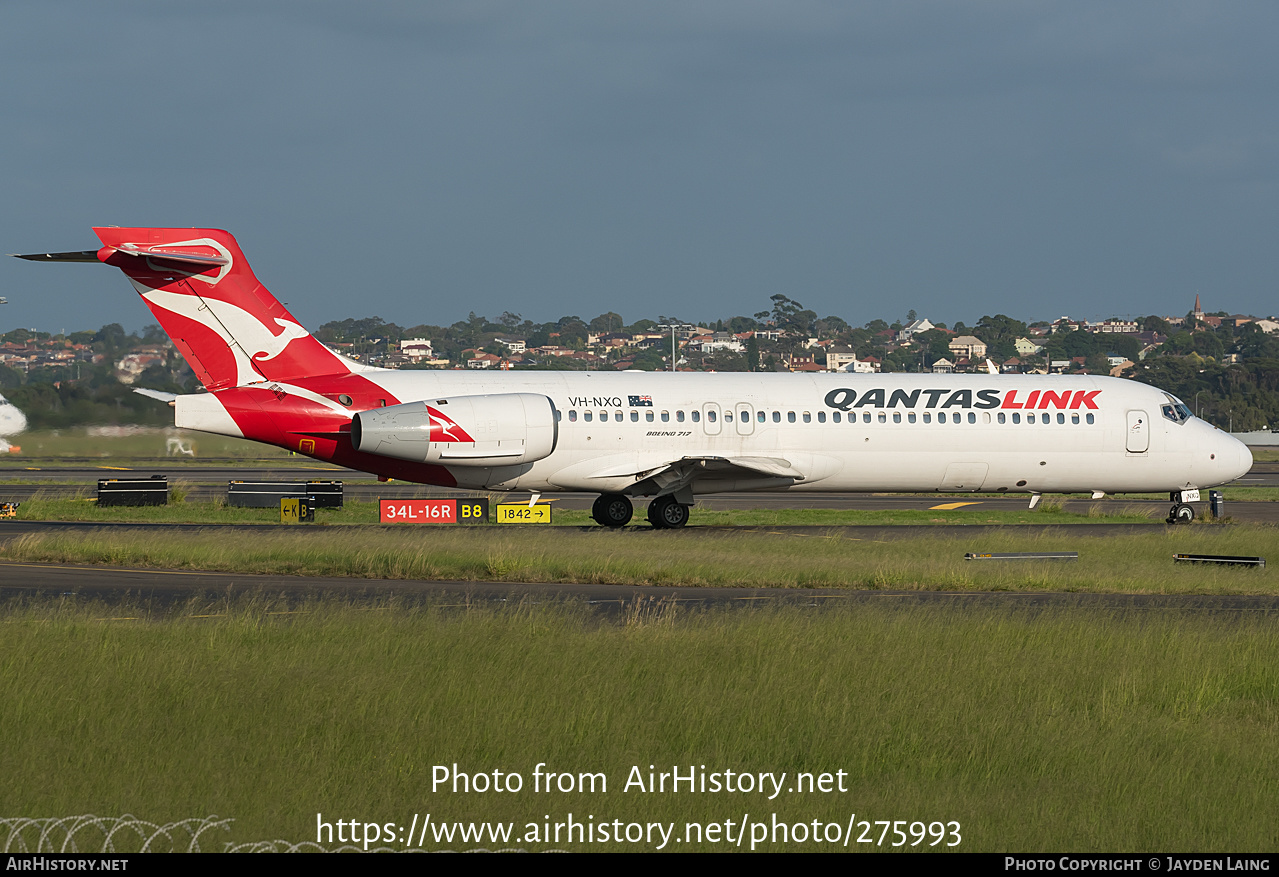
(1182, 512)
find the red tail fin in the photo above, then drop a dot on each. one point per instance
(224, 322)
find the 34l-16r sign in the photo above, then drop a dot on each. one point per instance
(434, 511)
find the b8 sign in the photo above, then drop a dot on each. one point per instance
(434, 511)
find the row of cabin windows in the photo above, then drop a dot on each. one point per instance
(837, 417)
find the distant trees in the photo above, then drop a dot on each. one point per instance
(365, 329)
(1000, 333)
(1244, 396)
(606, 323)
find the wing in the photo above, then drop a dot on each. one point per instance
(709, 473)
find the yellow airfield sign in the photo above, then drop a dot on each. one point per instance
(296, 510)
(523, 513)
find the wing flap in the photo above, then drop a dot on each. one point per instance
(772, 466)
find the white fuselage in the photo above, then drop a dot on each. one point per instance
(845, 432)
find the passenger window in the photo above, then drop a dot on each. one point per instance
(586, 415)
(1074, 418)
(728, 416)
(808, 418)
(679, 416)
(696, 415)
(603, 417)
(710, 416)
(790, 416)
(1030, 418)
(760, 416)
(1016, 417)
(1061, 418)
(865, 417)
(941, 416)
(1003, 418)
(928, 418)
(897, 417)
(648, 416)
(666, 417)
(777, 417)
(1090, 420)
(972, 417)
(835, 416)
(883, 418)
(634, 417)
(910, 417)
(572, 416)
(985, 417)
(821, 416)
(617, 415)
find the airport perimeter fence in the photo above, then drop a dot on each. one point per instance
(129, 834)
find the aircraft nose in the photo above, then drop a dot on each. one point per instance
(1245, 459)
(1235, 458)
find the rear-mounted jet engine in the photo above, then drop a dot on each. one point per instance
(505, 429)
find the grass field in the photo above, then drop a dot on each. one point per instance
(1109, 563)
(1063, 730)
(1067, 730)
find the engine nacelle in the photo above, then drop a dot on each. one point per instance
(504, 429)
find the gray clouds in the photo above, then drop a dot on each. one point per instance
(421, 160)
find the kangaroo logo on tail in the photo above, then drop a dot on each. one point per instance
(248, 338)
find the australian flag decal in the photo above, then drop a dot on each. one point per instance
(640, 401)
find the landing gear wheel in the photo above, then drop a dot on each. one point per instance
(1181, 514)
(665, 513)
(612, 510)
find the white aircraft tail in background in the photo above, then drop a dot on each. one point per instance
(12, 422)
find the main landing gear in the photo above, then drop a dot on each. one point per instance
(615, 510)
(666, 513)
(612, 510)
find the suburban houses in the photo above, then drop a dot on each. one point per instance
(787, 338)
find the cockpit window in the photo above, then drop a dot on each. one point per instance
(1175, 410)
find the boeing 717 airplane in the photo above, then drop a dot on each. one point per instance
(645, 434)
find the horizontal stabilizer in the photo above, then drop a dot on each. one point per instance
(156, 394)
(80, 256)
(154, 251)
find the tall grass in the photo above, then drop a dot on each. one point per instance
(1070, 730)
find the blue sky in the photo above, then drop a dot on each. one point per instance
(419, 160)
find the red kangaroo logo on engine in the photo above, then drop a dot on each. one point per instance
(443, 429)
